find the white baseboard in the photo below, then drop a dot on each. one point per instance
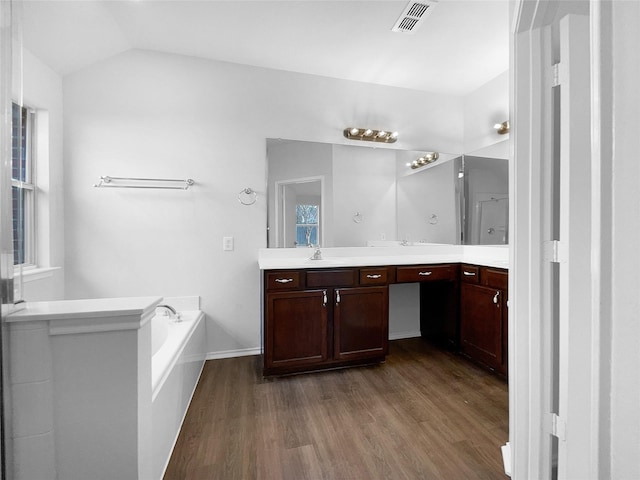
(506, 458)
(244, 352)
(241, 352)
(401, 335)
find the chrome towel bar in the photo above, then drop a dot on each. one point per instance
(133, 182)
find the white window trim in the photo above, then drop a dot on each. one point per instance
(33, 273)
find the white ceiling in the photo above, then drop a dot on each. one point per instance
(460, 46)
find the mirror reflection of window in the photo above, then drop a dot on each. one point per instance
(307, 225)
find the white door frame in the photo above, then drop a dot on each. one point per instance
(279, 219)
(581, 417)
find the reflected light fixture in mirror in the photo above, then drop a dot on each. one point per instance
(502, 128)
(369, 135)
(426, 159)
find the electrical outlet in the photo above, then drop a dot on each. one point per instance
(227, 244)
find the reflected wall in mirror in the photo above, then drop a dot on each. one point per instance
(428, 200)
(370, 196)
(486, 201)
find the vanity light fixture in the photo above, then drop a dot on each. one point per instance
(426, 159)
(502, 128)
(353, 133)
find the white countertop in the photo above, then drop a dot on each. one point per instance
(89, 308)
(285, 258)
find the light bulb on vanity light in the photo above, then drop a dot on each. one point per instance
(502, 128)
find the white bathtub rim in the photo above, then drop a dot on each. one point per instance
(162, 369)
(159, 333)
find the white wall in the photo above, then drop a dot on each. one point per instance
(625, 324)
(42, 90)
(483, 108)
(157, 115)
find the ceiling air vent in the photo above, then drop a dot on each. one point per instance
(412, 16)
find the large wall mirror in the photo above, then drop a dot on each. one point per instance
(339, 195)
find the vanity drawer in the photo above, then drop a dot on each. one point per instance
(331, 278)
(470, 274)
(283, 280)
(374, 276)
(425, 273)
(495, 277)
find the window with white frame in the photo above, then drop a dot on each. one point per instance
(23, 189)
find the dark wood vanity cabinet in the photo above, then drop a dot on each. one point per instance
(483, 315)
(326, 318)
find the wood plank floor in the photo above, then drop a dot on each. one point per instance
(424, 414)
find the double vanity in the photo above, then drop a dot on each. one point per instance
(334, 311)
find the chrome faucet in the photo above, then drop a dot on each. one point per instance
(173, 315)
(317, 255)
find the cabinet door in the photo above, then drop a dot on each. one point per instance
(296, 328)
(360, 322)
(481, 323)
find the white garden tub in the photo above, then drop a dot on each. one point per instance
(178, 355)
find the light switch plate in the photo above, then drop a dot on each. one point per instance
(227, 244)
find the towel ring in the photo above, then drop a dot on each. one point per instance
(247, 196)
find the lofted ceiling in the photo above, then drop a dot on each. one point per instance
(458, 47)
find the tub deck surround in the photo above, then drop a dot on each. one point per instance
(335, 257)
(40, 373)
(87, 315)
(106, 394)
